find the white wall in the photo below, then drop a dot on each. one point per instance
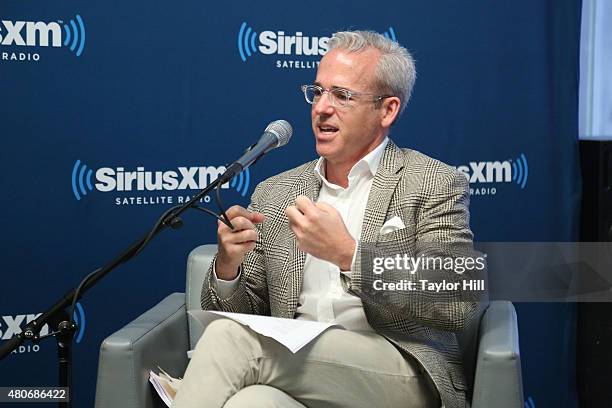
(595, 107)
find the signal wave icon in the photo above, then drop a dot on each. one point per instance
(79, 319)
(241, 182)
(390, 34)
(246, 41)
(520, 170)
(81, 180)
(75, 35)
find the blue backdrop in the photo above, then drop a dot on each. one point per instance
(97, 96)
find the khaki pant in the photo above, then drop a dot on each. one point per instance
(232, 366)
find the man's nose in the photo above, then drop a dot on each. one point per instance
(323, 104)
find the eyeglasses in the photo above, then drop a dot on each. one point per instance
(338, 97)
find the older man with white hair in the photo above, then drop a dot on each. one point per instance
(297, 253)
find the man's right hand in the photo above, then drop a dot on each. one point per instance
(235, 243)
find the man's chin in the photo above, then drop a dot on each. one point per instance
(324, 150)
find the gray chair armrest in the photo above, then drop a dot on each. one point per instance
(498, 380)
(197, 267)
(158, 337)
(198, 263)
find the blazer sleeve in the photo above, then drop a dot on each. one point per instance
(251, 293)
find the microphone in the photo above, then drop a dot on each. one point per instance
(277, 134)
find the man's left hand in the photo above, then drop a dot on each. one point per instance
(320, 231)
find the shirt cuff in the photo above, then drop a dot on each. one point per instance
(348, 273)
(224, 288)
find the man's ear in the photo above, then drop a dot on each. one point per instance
(389, 111)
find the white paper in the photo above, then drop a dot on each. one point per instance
(165, 385)
(291, 333)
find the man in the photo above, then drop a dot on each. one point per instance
(299, 249)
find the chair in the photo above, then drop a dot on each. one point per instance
(163, 334)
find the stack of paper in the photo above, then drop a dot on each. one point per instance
(291, 333)
(165, 385)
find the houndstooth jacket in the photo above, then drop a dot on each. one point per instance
(432, 200)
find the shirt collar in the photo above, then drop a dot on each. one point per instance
(366, 166)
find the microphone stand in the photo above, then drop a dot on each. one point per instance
(58, 318)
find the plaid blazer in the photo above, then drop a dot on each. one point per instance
(432, 200)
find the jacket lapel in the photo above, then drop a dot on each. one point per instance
(383, 187)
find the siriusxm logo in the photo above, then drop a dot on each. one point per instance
(507, 171)
(108, 179)
(41, 34)
(276, 42)
(270, 42)
(13, 325)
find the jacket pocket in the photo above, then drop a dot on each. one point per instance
(403, 235)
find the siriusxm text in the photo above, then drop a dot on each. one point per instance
(487, 172)
(29, 33)
(278, 43)
(11, 325)
(183, 178)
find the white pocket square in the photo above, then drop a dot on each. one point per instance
(392, 224)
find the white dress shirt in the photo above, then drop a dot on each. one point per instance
(322, 297)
